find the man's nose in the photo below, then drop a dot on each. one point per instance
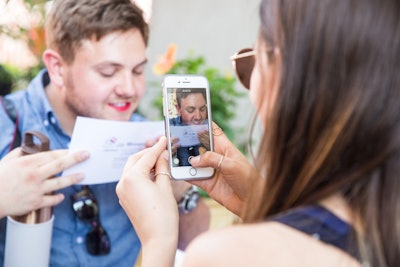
(127, 87)
(197, 114)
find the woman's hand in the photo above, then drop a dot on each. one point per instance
(24, 180)
(149, 202)
(234, 176)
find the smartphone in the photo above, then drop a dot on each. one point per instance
(188, 123)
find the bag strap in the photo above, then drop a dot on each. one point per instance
(12, 112)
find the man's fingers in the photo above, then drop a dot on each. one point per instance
(57, 183)
(51, 200)
(16, 152)
(60, 164)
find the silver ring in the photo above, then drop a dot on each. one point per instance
(220, 162)
(165, 173)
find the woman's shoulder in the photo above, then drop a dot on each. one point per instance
(263, 244)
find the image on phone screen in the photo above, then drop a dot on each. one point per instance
(189, 124)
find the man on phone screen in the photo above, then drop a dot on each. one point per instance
(192, 113)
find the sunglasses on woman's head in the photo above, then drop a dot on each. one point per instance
(85, 208)
(243, 63)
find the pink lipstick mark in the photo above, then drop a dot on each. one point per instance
(121, 108)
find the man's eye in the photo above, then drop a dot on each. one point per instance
(136, 72)
(190, 110)
(203, 109)
(107, 72)
(139, 70)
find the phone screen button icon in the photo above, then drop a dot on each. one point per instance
(192, 171)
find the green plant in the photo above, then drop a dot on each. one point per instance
(223, 95)
(33, 34)
(6, 81)
(5, 75)
(17, 77)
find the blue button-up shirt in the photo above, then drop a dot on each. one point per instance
(68, 240)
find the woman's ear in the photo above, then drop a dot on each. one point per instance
(55, 66)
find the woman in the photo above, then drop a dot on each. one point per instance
(326, 88)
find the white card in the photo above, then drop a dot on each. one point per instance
(109, 143)
(188, 135)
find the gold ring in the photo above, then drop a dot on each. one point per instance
(217, 131)
(165, 173)
(220, 162)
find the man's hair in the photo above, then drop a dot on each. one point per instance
(69, 22)
(182, 94)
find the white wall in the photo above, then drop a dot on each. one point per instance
(215, 29)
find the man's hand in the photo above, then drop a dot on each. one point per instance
(24, 180)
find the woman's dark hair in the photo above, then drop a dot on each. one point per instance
(335, 124)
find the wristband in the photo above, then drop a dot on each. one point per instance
(189, 200)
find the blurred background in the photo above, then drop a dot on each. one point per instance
(186, 36)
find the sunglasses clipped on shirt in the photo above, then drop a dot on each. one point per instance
(243, 63)
(86, 208)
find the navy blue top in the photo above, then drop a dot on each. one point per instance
(322, 224)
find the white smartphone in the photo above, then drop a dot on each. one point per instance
(188, 123)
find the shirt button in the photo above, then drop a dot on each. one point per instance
(79, 240)
(53, 120)
(46, 123)
(316, 236)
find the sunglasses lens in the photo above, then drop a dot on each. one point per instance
(244, 67)
(97, 241)
(85, 208)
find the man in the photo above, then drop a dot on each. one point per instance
(95, 61)
(191, 107)
(192, 110)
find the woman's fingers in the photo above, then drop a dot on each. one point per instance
(163, 168)
(134, 158)
(150, 157)
(145, 160)
(208, 159)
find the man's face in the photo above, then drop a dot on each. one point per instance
(193, 109)
(106, 78)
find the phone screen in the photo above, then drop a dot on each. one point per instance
(189, 124)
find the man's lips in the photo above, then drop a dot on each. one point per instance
(120, 107)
